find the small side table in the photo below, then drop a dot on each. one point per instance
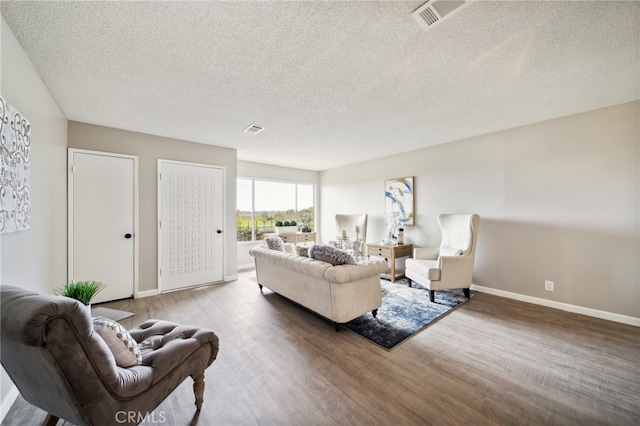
(391, 252)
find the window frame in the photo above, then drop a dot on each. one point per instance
(253, 215)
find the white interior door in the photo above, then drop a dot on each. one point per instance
(102, 221)
(190, 213)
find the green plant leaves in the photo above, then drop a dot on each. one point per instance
(82, 291)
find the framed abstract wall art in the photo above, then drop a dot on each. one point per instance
(399, 206)
(15, 170)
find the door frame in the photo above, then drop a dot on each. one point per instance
(159, 212)
(70, 210)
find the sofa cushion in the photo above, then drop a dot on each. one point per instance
(360, 271)
(274, 242)
(124, 347)
(331, 255)
(425, 268)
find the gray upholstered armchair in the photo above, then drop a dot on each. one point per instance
(451, 265)
(61, 365)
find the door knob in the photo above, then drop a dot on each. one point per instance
(219, 231)
(127, 236)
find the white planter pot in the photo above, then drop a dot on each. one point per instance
(286, 229)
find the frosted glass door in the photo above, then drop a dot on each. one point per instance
(190, 225)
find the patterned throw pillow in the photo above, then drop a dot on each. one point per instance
(331, 255)
(124, 348)
(302, 251)
(274, 242)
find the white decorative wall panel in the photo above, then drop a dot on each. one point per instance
(15, 173)
(191, 223)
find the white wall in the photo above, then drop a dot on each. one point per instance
(251, 170)
(247, 169)
(35, 259)
(558, 200)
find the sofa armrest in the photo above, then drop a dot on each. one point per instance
(426, 253)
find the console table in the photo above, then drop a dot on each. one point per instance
(296, 237)
(391, 252)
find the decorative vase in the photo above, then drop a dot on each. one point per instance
(392, 237)
(286, 229)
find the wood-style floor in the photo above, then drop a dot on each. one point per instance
(491, 361)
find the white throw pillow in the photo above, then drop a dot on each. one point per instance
(274, 242)
(447, 250)
(124, 347)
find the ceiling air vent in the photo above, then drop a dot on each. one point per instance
(253, 130)
(434, 11)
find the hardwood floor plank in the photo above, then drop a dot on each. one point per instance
(492, 361)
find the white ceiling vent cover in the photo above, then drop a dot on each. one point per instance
(253, 129)
(434, 11)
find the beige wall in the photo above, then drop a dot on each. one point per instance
(149, 149)
(559, 200)
(36, 258)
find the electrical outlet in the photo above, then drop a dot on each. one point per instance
(548, 285)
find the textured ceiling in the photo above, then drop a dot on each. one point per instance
(333, 83)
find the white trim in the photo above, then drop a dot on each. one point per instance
(136, 227)
(246, 266)
(159, 227)
(231, 278)
(8, 401)
(146, 293)
(70, 211)
(624, 319)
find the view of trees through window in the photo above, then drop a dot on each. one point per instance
(261, 203)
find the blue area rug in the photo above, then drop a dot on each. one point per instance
(405, 311)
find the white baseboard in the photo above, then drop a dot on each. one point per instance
(155, 292)
(624, 319)
(146, 293)
(247, 266)
(8, 401)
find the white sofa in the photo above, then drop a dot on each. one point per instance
(339, 293)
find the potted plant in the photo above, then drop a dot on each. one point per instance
(83, 291)
(286, 227)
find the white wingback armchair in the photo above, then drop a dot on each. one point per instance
(451, 265)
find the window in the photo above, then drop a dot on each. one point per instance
(261, 203)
